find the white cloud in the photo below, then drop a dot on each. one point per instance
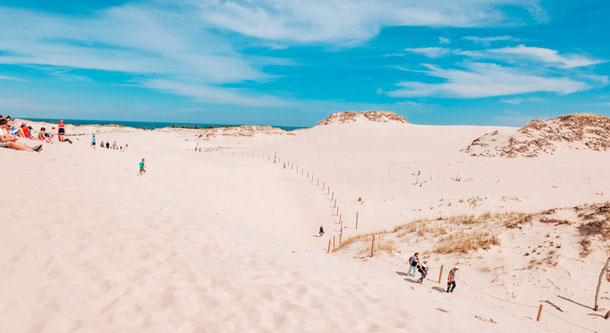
(519, 100)
(432, 52)
(130, 38)
(352, 21)
(212, 94)
(486, 80)
(10, 78)
(443, 40)
(488, 40)
(548, 56)
(142, 40)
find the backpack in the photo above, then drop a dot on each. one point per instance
(413, 262)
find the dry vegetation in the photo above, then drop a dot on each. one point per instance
(455, 234)
(464, 242)
(465, 234)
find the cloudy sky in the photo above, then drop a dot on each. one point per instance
(292, 62)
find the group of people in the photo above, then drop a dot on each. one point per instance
(107, 145)
(418, 264)
(11, 133)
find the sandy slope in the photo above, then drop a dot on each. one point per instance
(216, 242)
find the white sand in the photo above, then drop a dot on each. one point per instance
(217, 242)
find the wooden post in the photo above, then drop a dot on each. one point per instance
(599, 283)
(539, 313)
(373, 246)
(332, 196)
(333, 242)
(335, 202)
(341, 235)
(337, 210)
(340, 221)
(440, 274)
(328, 251)
(356, 220)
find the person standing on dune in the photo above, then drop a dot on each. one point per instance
(62, 131)
(93, 142)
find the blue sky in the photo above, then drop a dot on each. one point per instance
(292, 62)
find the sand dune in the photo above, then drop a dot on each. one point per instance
(224, 241)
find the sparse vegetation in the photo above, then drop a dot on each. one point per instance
(464, 242)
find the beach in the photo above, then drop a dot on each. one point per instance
(221, 232)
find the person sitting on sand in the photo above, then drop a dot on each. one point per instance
(451, 279)
(14, 130)
(9, 141)
(44, 136)
(321, 231)
(413, 262)
(114, 145)
(423, 270)
(26, 131)
(107, 144)
(142, 168)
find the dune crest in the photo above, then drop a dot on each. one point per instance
(571, 131)
(349, 116)
(246, 131)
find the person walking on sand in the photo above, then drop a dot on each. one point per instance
(423, 270)
(321, 231)
(142, 168)
(413, 262)
(93, 142)
(451, 279)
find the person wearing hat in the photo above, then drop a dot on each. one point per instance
(451, 279)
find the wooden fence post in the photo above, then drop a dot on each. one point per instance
(340, 220)
(341, 235)
(332, 196)
(337, 210)
(356, 220)
(333, 242)
(539, 313)
(373, 246)
(335, 202)
(440, 274)
(328, 251)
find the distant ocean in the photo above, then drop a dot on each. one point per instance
(142, 124)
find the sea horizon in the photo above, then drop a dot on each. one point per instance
(150, 124)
